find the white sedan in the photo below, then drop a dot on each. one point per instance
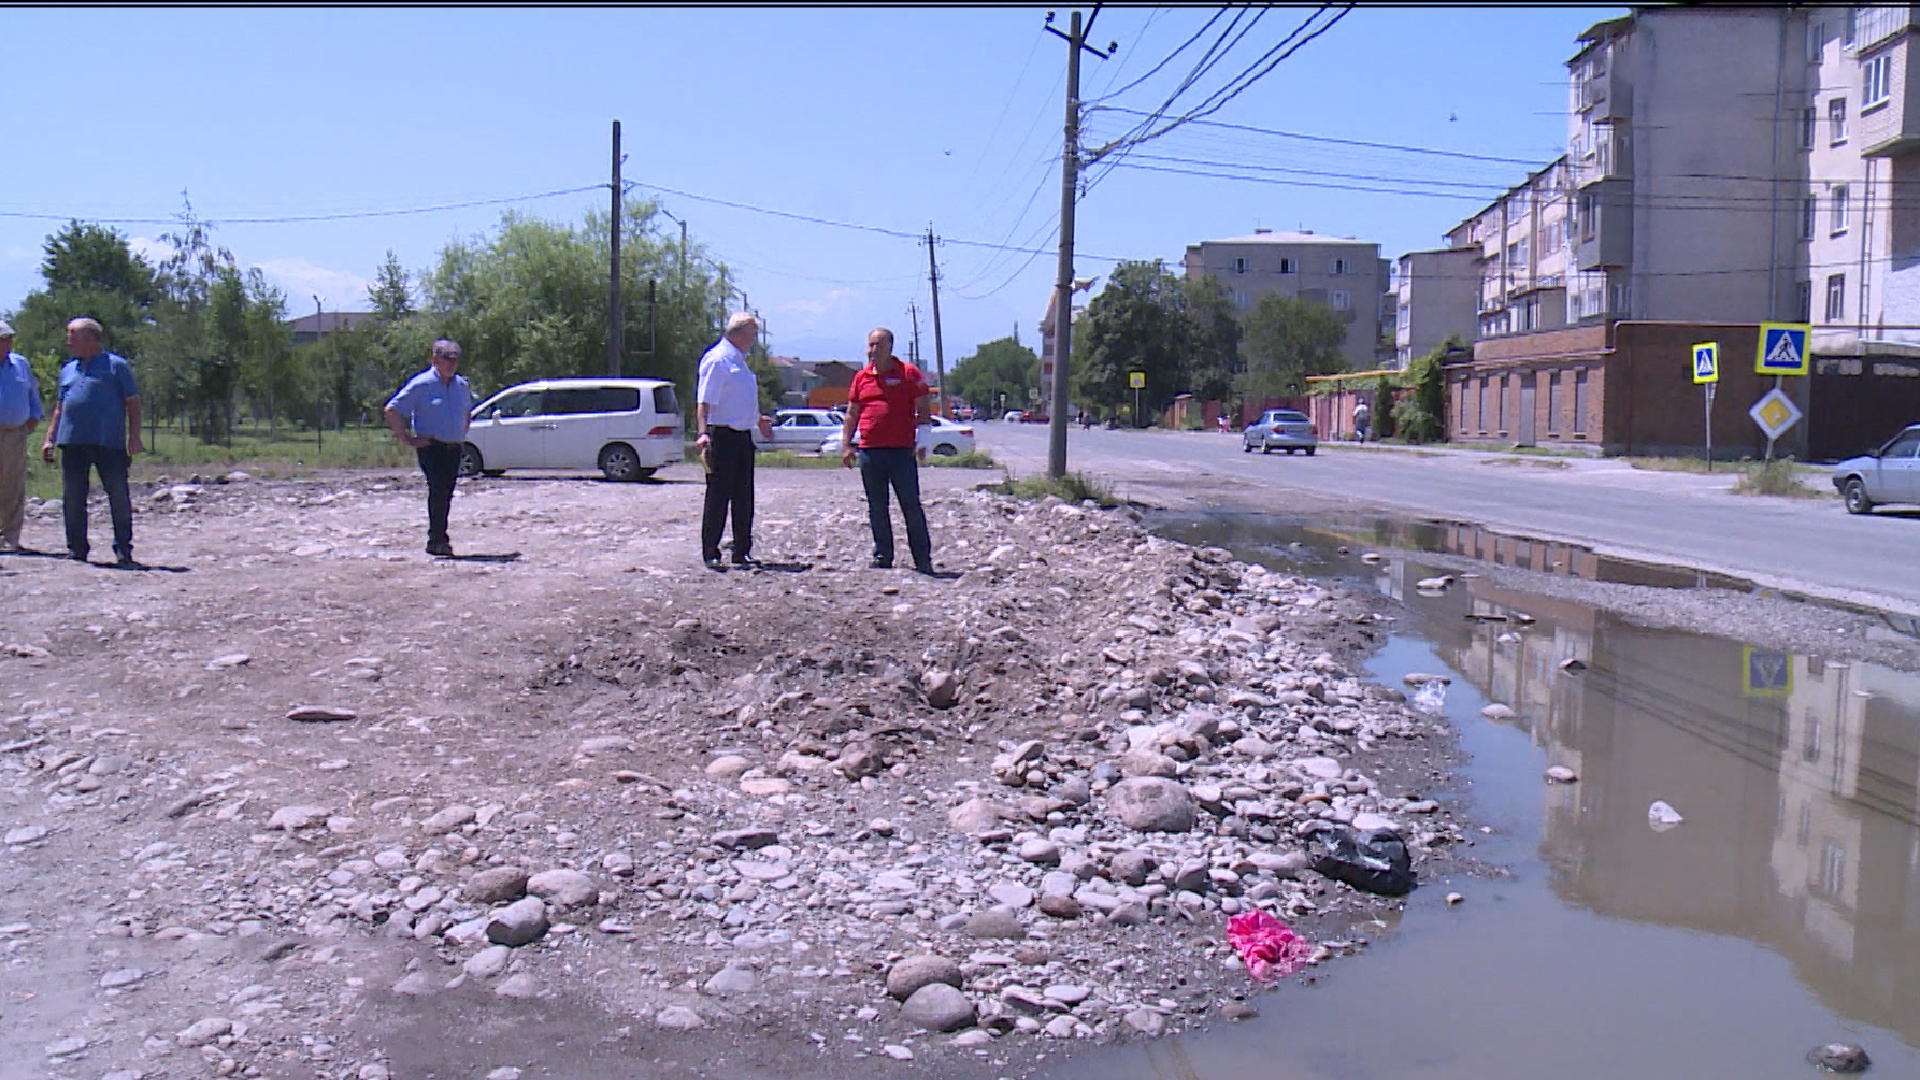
(942, 437)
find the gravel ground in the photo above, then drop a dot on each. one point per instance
(299, 801)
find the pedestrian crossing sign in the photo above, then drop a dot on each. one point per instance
(1706, 362)
(1783, 349)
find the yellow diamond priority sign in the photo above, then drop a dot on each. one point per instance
(1775, 413)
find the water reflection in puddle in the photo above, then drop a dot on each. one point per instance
(1784, 912)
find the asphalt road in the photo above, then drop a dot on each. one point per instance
(1810, 546)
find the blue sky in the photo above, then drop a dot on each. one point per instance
(888, 117)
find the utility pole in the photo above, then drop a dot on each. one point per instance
(939, 350)
(913, 312)
(616, 328)
(1076, 39)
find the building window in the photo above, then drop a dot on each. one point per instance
(1833, 868)
(1239, 266)
(1500, 392)
(1803, 301)
(1837, 120)
(1339, 266)
(1809, 216)
(1286, 266)
(1876, 81)
(1580, 402)
(1553, 403)
(1836, 297)
(1839, 216)
(1816, 39)
(1239, 298)
(1846, 38)
(1340, 300)
(1586, 217)
(1517, 254)
(1809, 127)
(1483, 405)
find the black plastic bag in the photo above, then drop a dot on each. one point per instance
(1375, 860)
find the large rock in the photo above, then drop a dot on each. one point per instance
(519, 923)
(942, 689)
(976, 816)
(564, 888)
(449, 819)
(497, 885)
(915, 972)
(938, 1007)
(1151, 804)
(292, 818)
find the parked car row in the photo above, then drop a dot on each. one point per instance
(942, 437)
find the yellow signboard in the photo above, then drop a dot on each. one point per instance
(1765, 674)
(1783, 349)
(1706, 362)
(1137, 380)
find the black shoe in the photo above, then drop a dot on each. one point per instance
(77, 556)
(442, 549)
(713, 563)
(746, 562)
(923, 568)
(880, 563)
(125, 559)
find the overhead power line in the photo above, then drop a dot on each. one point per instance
(294, 219)
(1532, 163)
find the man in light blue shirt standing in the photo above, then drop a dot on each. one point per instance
(19, 415)
(726, 410)
(96, 425)
(430, 414)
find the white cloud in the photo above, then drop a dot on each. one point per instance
(340, 290)
(811, 309)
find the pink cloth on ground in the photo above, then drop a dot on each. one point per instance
(1269, 949)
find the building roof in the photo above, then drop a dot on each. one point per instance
(326, 322)
(1309, 237)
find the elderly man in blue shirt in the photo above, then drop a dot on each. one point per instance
(430, 414)
(725, 413)
(96, 425)
(19, 415)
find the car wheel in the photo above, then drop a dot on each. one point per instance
(1855, 496)
(1309, 451)
(1246, 447)
(946, 449)
(1289, 451)
(1265, 449)
(470, 462)
(620, 463)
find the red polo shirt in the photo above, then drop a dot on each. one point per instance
(887, 417)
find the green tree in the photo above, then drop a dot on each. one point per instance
(1288, 339)
(193, 358)
(1421, 415)
(89, 270)
(392, 292)
(1000, 370)
(1214, 364)
(1137, 323)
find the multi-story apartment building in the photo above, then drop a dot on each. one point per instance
(1680, 143)
(1525, 254)
(1435, 295)
(1343, 273)
(1859, 215)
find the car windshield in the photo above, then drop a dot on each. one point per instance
(1285, 417)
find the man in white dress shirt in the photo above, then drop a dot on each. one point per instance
(726, 410)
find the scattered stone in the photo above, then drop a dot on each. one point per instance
(678, 1018)
(203, 1032)
(1497, 711)
(1146, 1022)
(1060, 907)
(731, 980)
(449, 819)
(320, 714)
(1454, 898)
(519, 923)
(938, 1007)
(1238, 1010)
(114, 980)
(1560, 774)
(1151, 804)
(914, 972)
(294, 818)
(728, 767)
(1839, 1058)
(746, 838)
(941, 687)
(1040, 852)
(26, 834)
(996, 923)
(488, 962)
(228, 662)
(564, 888)
(496, 885)
(522, 987)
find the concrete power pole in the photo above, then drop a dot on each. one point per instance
(1076, 39)
(616, 326)
(939, 350)
(913, 312)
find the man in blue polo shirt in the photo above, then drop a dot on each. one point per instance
(96, 425)
(19, 415)
(430, 414)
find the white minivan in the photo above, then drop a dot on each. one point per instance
(626, 428)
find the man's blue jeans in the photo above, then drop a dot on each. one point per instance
(77, 463)
(886, 467)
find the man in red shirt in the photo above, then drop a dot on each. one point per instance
(888, 402)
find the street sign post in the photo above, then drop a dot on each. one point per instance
(1706, 373)
(1783, 349)
(1137, 380)
(1775, 412)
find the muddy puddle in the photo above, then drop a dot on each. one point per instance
(1782, 913)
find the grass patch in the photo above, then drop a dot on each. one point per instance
(784, 459)
(1529, 462)
(1779, 477)
(1677, 464)
(972, 459)
(1073, 488)
(289, 451)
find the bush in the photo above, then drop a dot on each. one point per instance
(1776, 477)
(972, 459)
(1421, 416)
(1073, 488)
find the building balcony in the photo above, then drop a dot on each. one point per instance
(1609, 158)
(1606, 96)
(1603, 228)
